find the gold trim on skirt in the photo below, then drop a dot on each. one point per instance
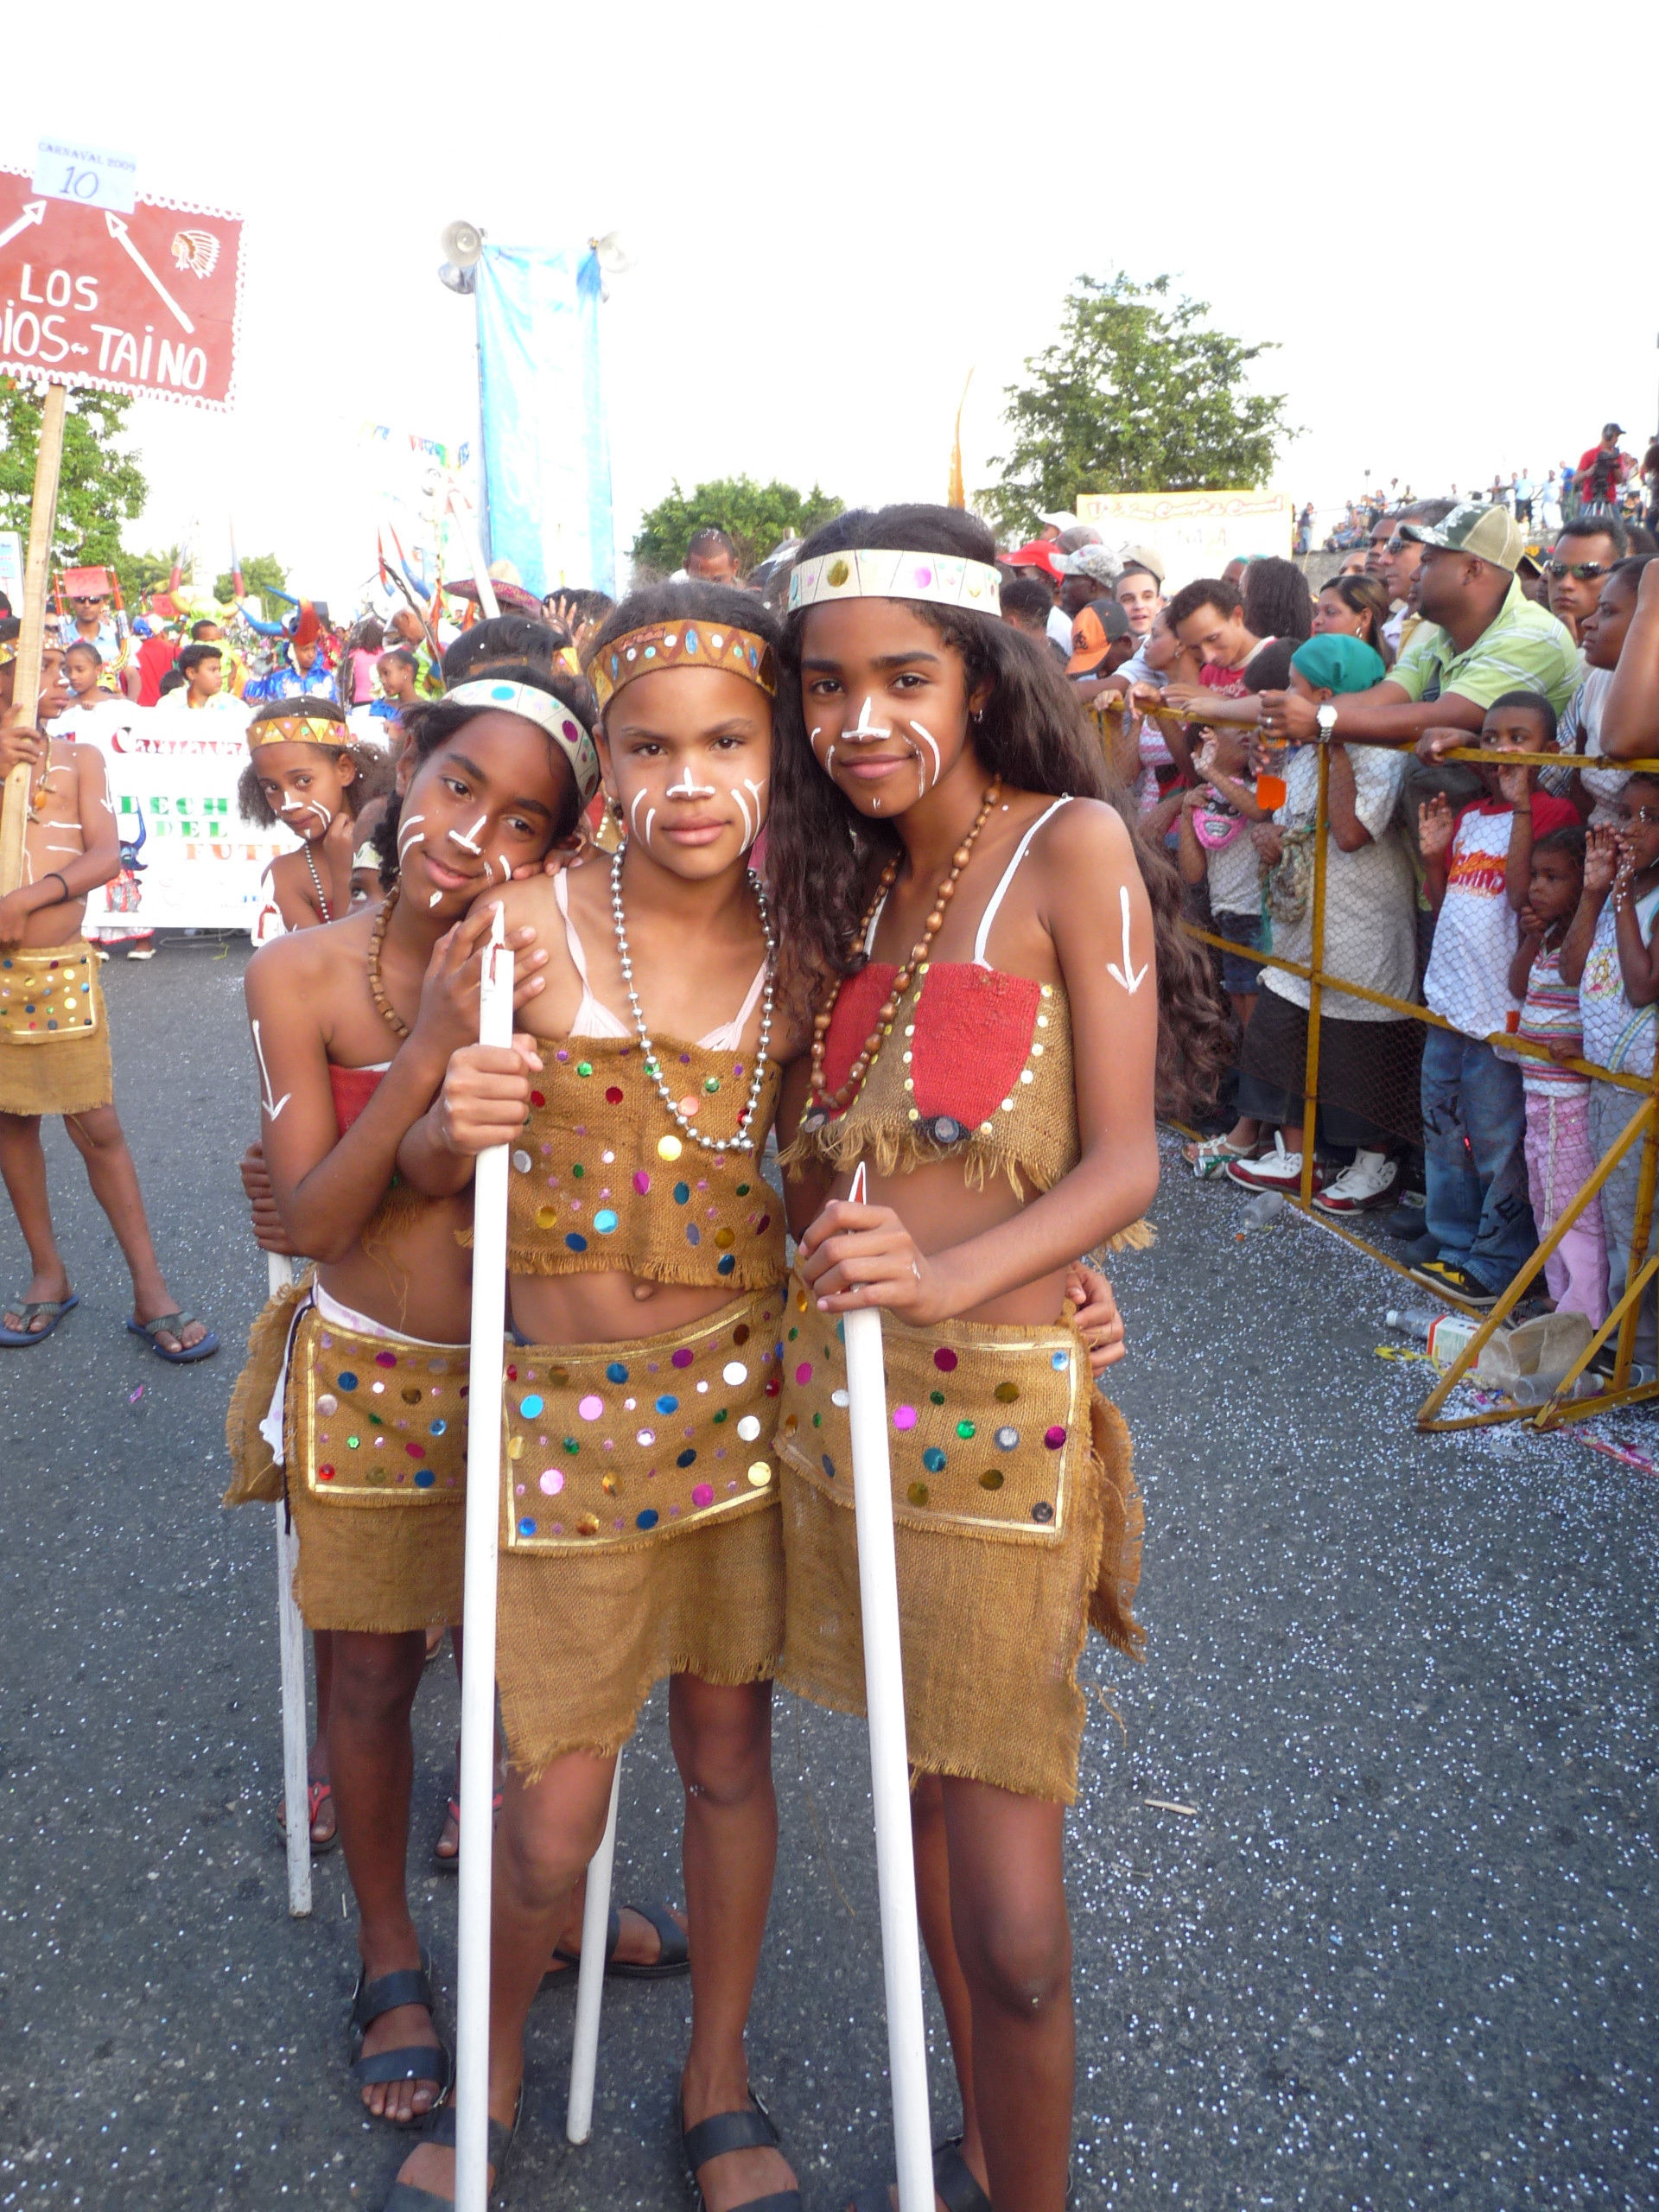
(639, 1530)
(54, 1050)
(1016, 1524)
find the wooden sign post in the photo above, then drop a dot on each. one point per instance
(25, 679)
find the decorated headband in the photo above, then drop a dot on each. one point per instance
(867, 572)
(547, 713)
(299, 730)
(683, 644)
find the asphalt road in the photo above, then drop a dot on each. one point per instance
(1401, 1952)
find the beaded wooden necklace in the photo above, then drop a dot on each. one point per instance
(824, 1103)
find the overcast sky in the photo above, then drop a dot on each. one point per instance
(837, 212)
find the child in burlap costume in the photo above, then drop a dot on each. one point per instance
(55, 1037)
(995, 945)
(352, 1405)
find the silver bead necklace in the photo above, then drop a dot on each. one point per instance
(757, 1081)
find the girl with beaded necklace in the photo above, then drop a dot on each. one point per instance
(351, 1404)
(950, 854)
(645, 1259)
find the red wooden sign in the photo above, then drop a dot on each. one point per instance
(145, 302)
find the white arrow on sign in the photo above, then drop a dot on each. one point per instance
(33, 211)
(118, 233)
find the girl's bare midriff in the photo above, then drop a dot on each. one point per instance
(938, 1207)
(409, 1271)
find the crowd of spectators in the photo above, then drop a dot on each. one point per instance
(1514, 902)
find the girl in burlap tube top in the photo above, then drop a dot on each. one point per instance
(949, 849)
(640, 1525)
(352, 1401)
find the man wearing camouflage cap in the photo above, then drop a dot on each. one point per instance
(1480, 637)
(1090, 573)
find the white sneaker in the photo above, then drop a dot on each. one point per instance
(1371, 1180)
(1277, 1170)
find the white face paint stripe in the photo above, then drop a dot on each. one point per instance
(464, 837)
(651, 815)
(634, 813)
(864, 728)
(748, 827)
(687, 789)
(931, 743)
(273, 1107)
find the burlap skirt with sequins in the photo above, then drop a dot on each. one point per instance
(1017, 1524)
(640, 1532)
(374, 1440)
(54, 1032)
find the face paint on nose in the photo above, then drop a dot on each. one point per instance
(863, 729)
(299, 806)
(687, 788)
(464, 837)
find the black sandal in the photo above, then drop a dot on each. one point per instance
(423, 2062)
(953, 2184)
(711, 2139)
(674, 1956)
(407, 2196)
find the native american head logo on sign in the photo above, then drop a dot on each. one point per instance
(196, 250)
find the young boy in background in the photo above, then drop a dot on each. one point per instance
(1478, 867)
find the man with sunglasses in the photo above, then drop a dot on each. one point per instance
(90, 622)
(1394, 559)
(1578, 565)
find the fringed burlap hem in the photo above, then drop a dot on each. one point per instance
(377, 1573)
(547, 1756)
(256, 1478)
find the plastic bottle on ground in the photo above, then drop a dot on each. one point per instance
(1412, 1320)
(1265, 1207)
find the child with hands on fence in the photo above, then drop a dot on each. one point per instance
(1609, 953)
(1560, 1152)
(1477, 873)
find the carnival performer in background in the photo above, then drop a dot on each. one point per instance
(306, 774)
(54, 1036)
(942, 842)
(301, 671)
(352, 1400)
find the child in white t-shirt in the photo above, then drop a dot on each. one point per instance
(1477, 869)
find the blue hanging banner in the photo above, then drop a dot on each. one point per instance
(547, 459)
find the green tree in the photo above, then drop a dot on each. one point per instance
(756, 517)
(261, 573)
(143, 572)
(1137, 396)
(100, 487)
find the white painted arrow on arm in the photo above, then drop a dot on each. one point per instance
(1129, 974)
(33, 211)
(119, 232)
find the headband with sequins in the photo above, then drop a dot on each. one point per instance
(547, 713)
(695, 644)
(299, 730)
(867, 572)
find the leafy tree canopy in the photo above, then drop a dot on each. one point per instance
(261, 573)
(101, 485)
(1136, 396)
(756, 517)
(143, 572)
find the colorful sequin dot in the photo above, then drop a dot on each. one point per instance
(348, 1382)
(933, 1460)
(1054, 1437)
(590, 1408)
(552, 1482)
(1060, 1361)
(641, 1182)
(804, 1372)
(944, 1359)
(904, 1417)
(530, 1406)
(616, 1372)
(838, 1398)
(734, 1372)
(683, 1358)
(748, 1428)
(605, 1221)
(667, 1404)
(646, 1437)
(703, 1495)
(669, 1147)
(647, 1519)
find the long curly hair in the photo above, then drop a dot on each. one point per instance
(824, 855)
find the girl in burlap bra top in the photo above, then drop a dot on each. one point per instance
(352, 1404)
(944, 850)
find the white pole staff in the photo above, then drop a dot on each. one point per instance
(884, 1696)
(290, 1638)
(590, 1975)
(478, 1609)
(468, 527)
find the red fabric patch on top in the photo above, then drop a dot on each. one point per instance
(858, 1001)
(353, 1089)
(974, 1027)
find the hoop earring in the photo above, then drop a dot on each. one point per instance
(978, 715)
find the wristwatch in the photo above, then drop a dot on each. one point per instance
(1327, 719)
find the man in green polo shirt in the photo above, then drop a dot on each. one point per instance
(1480, 637)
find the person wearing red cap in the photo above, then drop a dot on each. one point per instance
(301, 673)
